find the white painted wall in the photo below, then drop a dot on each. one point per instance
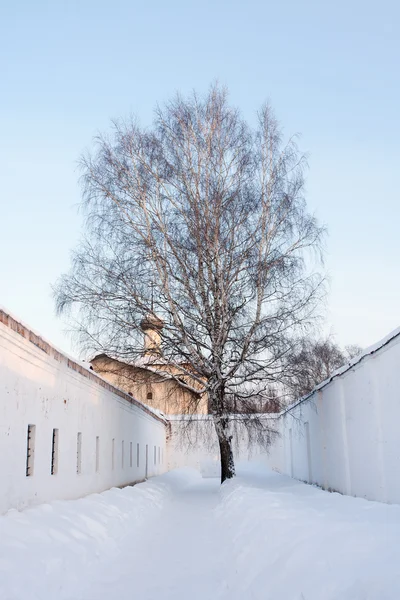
(345, 437)
(353, 444)
(195, 445)
(41, 387)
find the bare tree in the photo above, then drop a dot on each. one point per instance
(311, 363)
(199, 221)
(352, 350)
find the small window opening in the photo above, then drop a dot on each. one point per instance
(149, 396)
(30, 449)
(79, 453)
(97, 453)
(54, 452)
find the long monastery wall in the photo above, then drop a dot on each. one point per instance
(64, 431)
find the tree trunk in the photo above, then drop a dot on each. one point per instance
(221, 423)
(225, 448)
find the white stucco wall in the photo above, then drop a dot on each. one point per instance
(194, 443)
(40, 386)
(353, 440)
(345, 437)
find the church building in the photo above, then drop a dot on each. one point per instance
(152, 380)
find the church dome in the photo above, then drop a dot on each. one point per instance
(151, 321)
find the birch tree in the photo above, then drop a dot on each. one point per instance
(201, 221)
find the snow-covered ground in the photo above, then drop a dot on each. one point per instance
(262, 536)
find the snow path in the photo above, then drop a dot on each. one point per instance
(262, 536)
(178, 558)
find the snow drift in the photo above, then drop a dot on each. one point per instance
(292, 541)
(49, 551)
(262, 536)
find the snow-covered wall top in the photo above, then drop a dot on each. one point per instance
(80, 367)
(344, 435)
(64, 431)
(346, 367)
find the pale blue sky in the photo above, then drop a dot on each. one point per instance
(331, 71)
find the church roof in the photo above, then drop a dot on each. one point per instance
(153, 364)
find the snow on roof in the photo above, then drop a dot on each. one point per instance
(142, 361)
(152, 364)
